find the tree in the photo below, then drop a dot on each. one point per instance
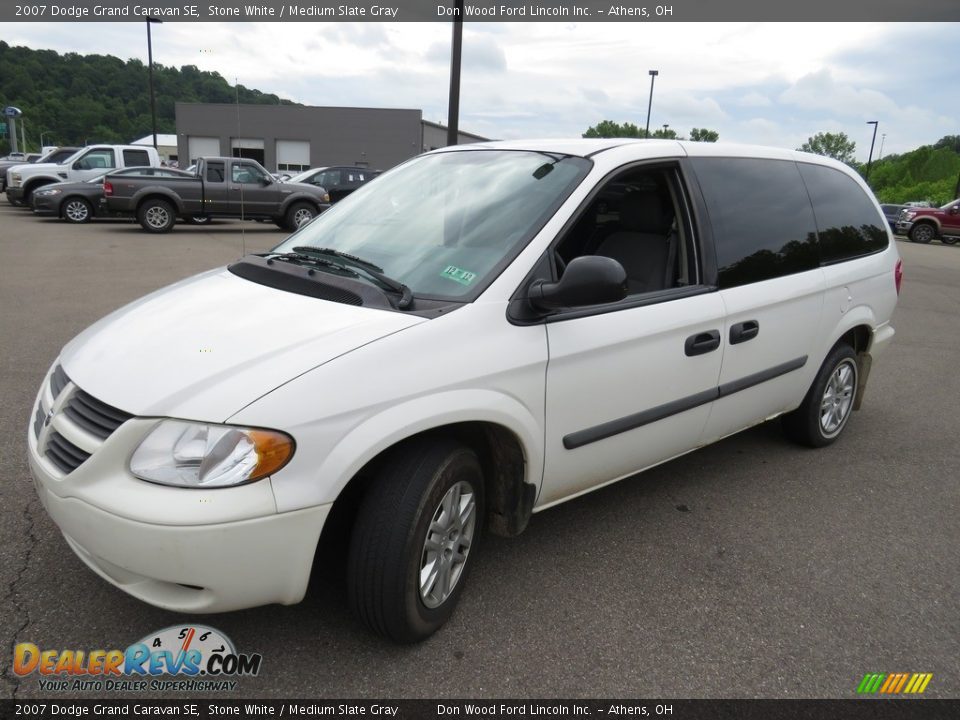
(610, 129)
(837, 146)
(664, 133)
(704, 135)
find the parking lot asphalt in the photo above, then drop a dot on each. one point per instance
(750, 568)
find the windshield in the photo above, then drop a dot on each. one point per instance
(305, 175)
(446, 224)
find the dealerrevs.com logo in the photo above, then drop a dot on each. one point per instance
(200, 657)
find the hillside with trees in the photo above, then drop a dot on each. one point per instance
(931, 172)
(76, 99)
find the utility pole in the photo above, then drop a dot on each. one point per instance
(653, 75)
(870, 158)
(453, 105)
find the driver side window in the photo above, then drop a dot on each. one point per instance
(636, 219)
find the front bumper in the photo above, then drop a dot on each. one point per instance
(45, 205)
(15, 194)
(180, 549)
(903, 227)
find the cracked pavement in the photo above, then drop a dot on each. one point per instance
(751, 568)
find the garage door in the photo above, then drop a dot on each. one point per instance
(203, 147)
(293, 155)
(251, 148)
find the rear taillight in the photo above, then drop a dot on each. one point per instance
(108, 190)
(898, 275)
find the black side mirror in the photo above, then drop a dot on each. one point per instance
(954, 210)
(588, 280)
(78, 165)
(265, 180)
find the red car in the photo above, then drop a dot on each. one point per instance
(922, 225)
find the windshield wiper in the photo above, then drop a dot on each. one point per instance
(310, 259)
(406, 295)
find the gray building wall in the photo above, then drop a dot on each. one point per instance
(435, 136)
(379, 137)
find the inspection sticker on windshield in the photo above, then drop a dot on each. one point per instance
(464, 277)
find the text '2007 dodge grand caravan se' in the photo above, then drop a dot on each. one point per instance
(482, 333)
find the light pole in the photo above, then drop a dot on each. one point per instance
(453, 105)
(870, 157)
(153, 102)
(883, 138)
(653, 75)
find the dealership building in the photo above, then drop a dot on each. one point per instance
(293, 138)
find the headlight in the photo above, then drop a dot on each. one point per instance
(187, 454)
(15, 178)
(48, 192)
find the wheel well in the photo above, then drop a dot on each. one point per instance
(858, 338)
(509, 499)
(31, 185)
(157, 196)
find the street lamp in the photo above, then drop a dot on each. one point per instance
(453, 104)
(883, 138)
(653, 75)
(870, 158)
(153, 102)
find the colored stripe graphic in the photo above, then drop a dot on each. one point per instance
(894, 683)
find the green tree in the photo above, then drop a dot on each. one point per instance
(835, 145)
(704, 135)
(664, 133)
(611, 129)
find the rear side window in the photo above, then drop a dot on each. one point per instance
(761, 216)
(136, 158)
(847, 219)
(215, 172)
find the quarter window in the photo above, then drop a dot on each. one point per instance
(847, 220)
(136, 158)
(761, 215)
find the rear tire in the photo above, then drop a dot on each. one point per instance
(922, 233)
(76, 210)
(198, 220)
(949, 240)
(827, 407)
(413, 539)
(156, 216)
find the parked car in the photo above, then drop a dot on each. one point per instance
(892, 213)
(221, 187)
(922, 225)
(79, 202)
(56, 155)
(86, 163)
(452, 349)
(338, 180)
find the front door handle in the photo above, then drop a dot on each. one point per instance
(741, 332)
(701, 343)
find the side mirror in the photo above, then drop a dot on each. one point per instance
(954, 210)
(588, 280)
(78, 165)
(266, 180)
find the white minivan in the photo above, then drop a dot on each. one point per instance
(482, 333)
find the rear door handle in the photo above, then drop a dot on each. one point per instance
(741, 332)
(701, 343)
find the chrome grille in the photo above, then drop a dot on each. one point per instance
(64, 454)
(58, 381)
(38, 421)
(96, 417)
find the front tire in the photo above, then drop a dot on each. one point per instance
(76, 210)
(828, 404)
(300, 213)
(922, 233)
(156, 216)
(411, 547)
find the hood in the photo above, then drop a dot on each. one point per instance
(208, 346)
(303, 187)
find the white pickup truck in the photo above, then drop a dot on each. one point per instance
(84, 164)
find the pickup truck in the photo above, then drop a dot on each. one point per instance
(53, 155)
(922, 225)
(221, 187)
(84, 164)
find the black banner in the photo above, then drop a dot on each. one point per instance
(874, 709)
(478, 11)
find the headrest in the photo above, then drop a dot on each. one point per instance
(644, 212)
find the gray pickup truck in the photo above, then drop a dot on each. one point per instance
(222, 187)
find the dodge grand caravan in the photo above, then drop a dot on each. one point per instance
(477, 336)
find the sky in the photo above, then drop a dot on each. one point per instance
(764, 83)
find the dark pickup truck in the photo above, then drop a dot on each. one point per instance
(222, 187)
